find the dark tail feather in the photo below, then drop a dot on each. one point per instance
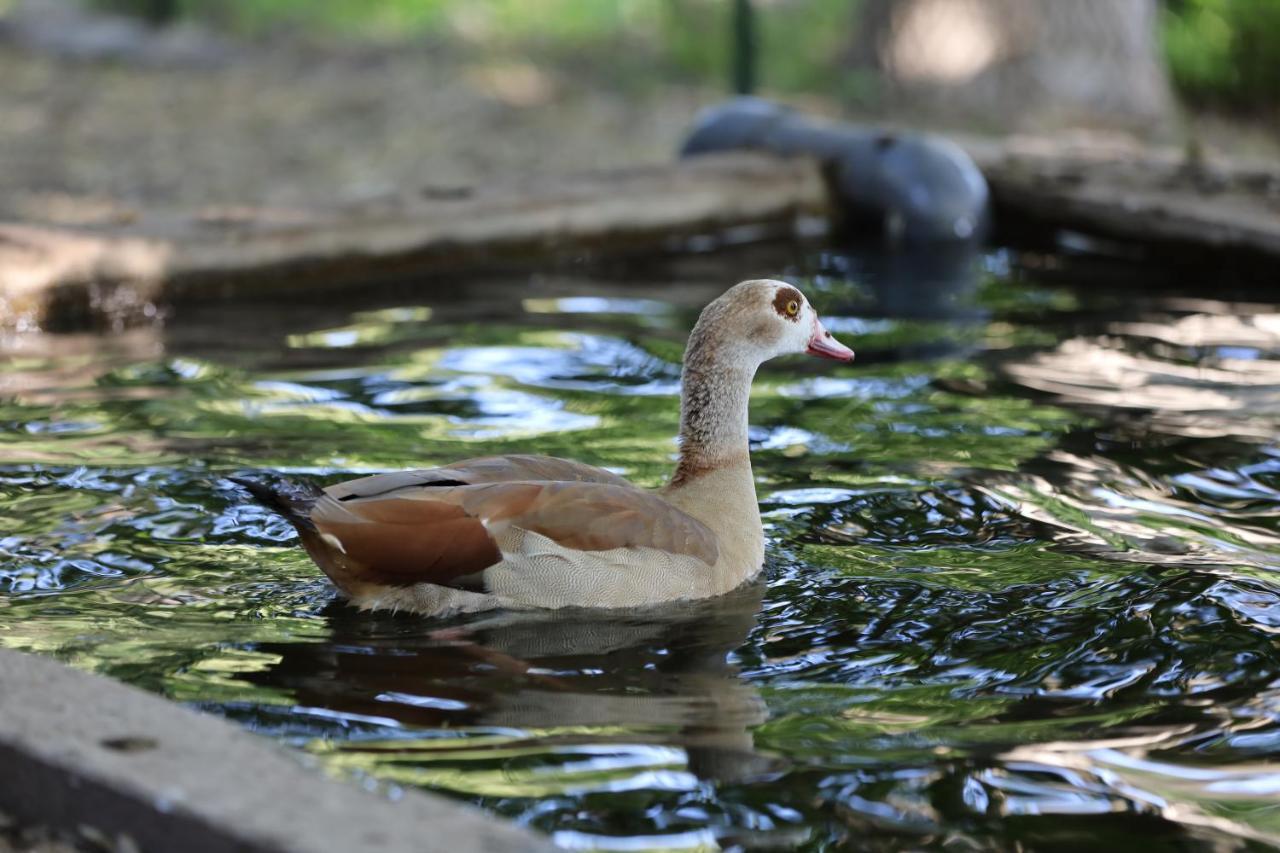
(293, 500)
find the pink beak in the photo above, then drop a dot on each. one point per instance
(824, 346)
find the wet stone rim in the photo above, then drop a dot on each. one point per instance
(83, 750)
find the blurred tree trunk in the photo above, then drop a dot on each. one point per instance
(1017, 64)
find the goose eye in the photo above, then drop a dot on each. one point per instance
(793, 308)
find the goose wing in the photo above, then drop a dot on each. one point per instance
(445, 525)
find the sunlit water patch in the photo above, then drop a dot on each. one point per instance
(1022, 585)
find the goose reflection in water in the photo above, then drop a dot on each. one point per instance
(658, 677)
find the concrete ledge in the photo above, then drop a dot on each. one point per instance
(55, 275)
(78, 749)
(1123, 190)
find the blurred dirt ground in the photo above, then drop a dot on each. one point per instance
(286, 123)
(101, 118)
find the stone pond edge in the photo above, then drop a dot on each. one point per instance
(81, 750)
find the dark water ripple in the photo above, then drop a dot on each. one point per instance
(1022, 585)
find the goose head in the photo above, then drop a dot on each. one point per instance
(758, 320)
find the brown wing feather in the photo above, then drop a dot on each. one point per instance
(485, 469)
(402, 529)
(593, 516)
(398, 541)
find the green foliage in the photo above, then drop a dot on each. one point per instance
(1220, 52)
(1225, 52)
(799, 42)
(363, 17)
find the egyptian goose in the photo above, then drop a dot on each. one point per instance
(538, 532)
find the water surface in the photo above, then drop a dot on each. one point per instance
(1021, 587)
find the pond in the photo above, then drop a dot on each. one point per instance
(1021, 584)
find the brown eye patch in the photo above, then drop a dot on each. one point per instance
(787, 303)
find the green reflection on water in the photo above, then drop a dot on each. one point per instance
(959, 569)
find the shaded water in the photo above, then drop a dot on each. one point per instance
(1022, 572)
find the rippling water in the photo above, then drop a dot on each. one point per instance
(1022, 575)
